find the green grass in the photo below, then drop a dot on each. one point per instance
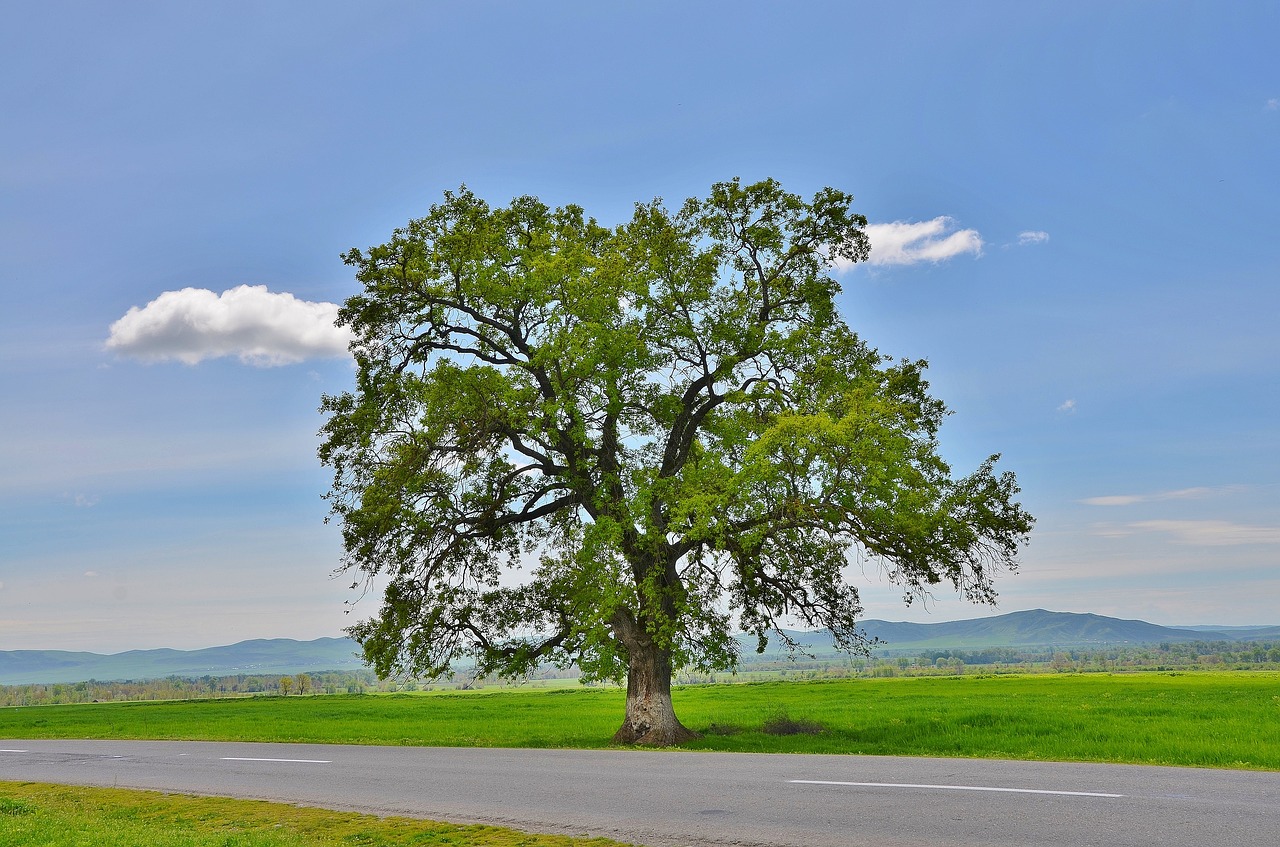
(62, 816)
(1225, 720)
(1203, 720)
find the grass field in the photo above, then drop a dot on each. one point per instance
(62, 816)
(1225, 720)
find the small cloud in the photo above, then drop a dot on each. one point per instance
(1068, 407)
(257, 326)
(1114, 500)
(86, 501)
(1197, 493)
(1032, 236)
(909, 243)
(91, 574)
(1273, 104)
(1211, 533)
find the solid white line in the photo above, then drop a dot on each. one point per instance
(15, 751)
(297, 761)
(955, 787)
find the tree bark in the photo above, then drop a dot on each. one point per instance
(651, 719)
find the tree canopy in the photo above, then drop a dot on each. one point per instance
(617, 446)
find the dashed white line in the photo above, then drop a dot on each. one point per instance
(954, 787)
(295, 761)
(15, 751)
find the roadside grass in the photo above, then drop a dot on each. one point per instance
(65, 816)
(1221, 720)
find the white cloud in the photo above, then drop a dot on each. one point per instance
(1114, 500)
(1197, 493)
(1273, 104)
(905, 243)
(1032, 236)
(257, 326)
(1211, 533)
(1068, 407)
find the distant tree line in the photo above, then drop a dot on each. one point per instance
(1220, 655)
(190, 688)
(1168, 656)
(246, 685)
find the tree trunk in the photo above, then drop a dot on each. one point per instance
(651, 719)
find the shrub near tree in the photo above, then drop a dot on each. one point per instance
(615, 446)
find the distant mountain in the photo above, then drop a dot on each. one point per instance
(1239, 633)
(260, 656)
(1036, 628)
(1255, 633)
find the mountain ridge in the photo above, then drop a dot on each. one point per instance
(1036, 628)
(255, 656)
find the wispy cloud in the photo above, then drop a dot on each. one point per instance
(1068, 407)
(1201, 533)
(1198, 493)
(1114, 500)
(910, 243)
(1032, 236)
(249, 322)
(1273, 104)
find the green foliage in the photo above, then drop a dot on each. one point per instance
(666, 427)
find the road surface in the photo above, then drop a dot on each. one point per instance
(670, 799)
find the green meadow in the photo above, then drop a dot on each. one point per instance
(63, 816)
(1222, 720)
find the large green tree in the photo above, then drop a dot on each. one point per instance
(617, 446)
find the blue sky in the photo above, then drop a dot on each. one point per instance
(1075, 206)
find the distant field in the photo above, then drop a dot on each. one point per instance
(63, 816)
(1225, 720)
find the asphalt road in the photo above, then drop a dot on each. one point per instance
(678, 798)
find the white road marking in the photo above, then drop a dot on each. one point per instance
(296, 761)
(954, 787)
(15, 751)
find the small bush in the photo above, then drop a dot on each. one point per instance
(722, 729)
(784, 724)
